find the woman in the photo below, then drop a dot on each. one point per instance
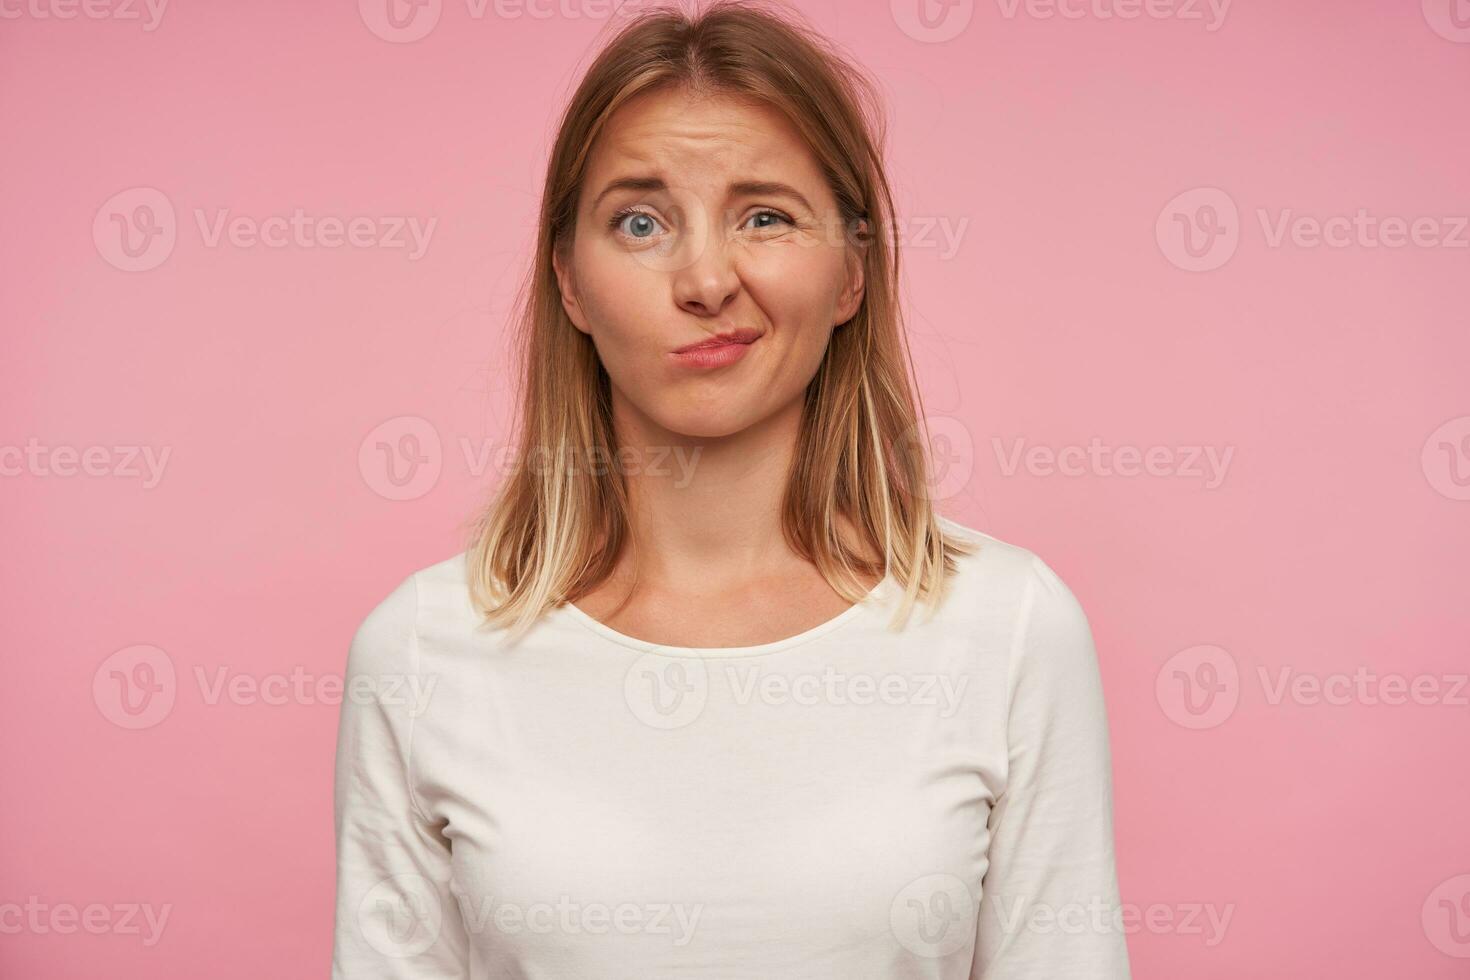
(670, 714)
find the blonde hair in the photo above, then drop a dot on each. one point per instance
(554, 531)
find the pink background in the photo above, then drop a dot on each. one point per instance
(1332, 835)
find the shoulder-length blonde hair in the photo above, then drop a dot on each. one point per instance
(555, 530)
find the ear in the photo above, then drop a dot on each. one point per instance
(851, 296)
(567, 285)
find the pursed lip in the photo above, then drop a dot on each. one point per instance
(741, 335)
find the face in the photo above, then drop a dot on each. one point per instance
(701, 221)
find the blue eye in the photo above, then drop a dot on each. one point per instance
(635, 224)
(770, 214)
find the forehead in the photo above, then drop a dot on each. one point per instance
(700, 142)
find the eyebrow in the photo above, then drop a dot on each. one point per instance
(739, 188)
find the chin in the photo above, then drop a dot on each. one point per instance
(702, 422)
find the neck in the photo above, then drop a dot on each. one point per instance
(707, 508)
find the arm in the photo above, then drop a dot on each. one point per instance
(395, 916)
(1049, 908)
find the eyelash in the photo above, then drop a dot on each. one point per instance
(618, 216)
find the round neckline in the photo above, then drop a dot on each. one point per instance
(749, 650)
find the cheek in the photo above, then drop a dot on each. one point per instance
(619, 299)
(797, 286)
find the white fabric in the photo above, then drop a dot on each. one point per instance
(846, 803)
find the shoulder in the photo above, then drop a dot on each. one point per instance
(1017, 599)
(386, 638)
(1009, 574)
(1052, 663)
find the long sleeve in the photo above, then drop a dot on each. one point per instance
(1049, 906)
(395, 917)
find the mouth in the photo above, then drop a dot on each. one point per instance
(725, 347)
(742, 335)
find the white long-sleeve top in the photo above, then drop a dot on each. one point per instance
(846, 803)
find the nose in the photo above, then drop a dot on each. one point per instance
(706, 280)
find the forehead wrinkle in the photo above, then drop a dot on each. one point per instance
(661, 143)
